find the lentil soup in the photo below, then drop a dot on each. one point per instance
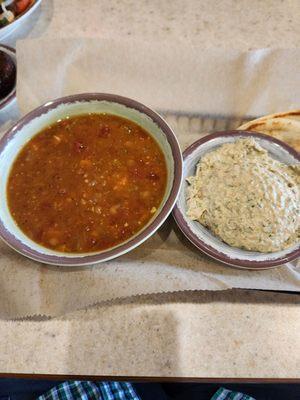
(87, 183)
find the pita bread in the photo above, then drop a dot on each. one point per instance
(283, 126)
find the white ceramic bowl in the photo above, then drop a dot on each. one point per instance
(201, 237)
(34, 122)
(19, 21)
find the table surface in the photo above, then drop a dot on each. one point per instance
(233, 334)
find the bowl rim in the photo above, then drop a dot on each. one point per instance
(211, 251)
(145, 233)
(12, 95)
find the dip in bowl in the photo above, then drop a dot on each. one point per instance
(86, 178)
(240, 200)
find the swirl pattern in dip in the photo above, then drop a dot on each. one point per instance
(246, 198)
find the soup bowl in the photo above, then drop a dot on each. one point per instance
(37, 120)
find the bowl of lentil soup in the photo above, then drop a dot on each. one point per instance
(86, 178)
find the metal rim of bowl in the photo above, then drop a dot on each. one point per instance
(211, 251)
(12, 95)
(108, 254)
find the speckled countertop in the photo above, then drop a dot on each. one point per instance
(227, 23)
(222, 334)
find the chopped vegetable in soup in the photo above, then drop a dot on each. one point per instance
(87, 183)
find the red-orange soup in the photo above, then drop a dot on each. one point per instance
(87, 183)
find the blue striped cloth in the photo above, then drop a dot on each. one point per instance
(225, 394)
(76, 390)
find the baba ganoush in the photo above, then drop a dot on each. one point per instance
(246, 198)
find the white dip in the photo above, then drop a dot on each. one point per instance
(246, 198)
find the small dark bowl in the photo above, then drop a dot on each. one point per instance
(11, 96)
